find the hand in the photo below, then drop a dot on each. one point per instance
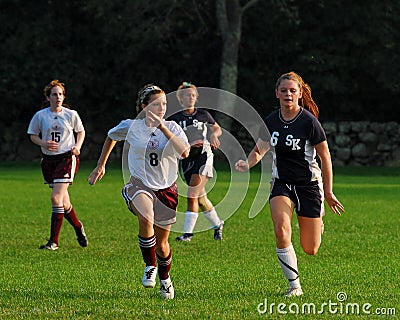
(154, 120)
(51, 145)
(96, 174)
(242, 166)
(334, 204)
(214, 142)
(76, 151)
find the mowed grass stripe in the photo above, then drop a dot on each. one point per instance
(359, 254)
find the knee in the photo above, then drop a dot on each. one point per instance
(192, 193)
(310, 245)
(310, 250)
(163, 248)
(192, 200)
(283, 234)
(205, 203)
(202, 201)
(56, 200)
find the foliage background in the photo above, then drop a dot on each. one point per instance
(106, 50)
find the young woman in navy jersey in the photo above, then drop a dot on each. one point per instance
(53, 129)
(198, 167)
(295, 138)
(155, 147)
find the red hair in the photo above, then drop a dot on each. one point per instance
(306, 101)
(47, 91)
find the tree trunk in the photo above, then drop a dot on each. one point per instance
(229, 22)
(229, 17)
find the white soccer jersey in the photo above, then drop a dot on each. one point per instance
(56, 126)
(151, 157)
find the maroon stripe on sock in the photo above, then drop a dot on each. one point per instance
(148, 248)
(57, 217)
(164, 266)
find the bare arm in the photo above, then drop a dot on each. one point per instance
(216, 132)
(180, 146)
(100, 169)
(76, 149)
(255, 155)
(49, 145)
(327, 177)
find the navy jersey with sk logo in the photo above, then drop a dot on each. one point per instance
(195, 125)
(294, 155)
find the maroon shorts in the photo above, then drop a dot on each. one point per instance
(165, 201)
(60, 168)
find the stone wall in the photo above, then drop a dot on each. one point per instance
(350, 143)
(364, 143)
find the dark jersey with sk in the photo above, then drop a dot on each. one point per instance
(194, 124)
(294, 155)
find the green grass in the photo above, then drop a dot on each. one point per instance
(359, 255)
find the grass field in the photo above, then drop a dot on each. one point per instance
(233, 279)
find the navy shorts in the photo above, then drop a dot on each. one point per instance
(308, 199)
(197, 163)
(165, 201)
(60, 168)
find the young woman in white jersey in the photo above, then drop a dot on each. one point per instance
(298, 181)
(52, 128)
(155, 147)
(197, 168)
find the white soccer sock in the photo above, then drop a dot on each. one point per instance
(190, 221)
(212, 216)
(288, 261)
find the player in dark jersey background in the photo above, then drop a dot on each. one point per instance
(198, 124)
(295, 138)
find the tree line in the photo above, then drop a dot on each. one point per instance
(104, 51)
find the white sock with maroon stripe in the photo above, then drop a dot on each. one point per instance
(288, 261)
